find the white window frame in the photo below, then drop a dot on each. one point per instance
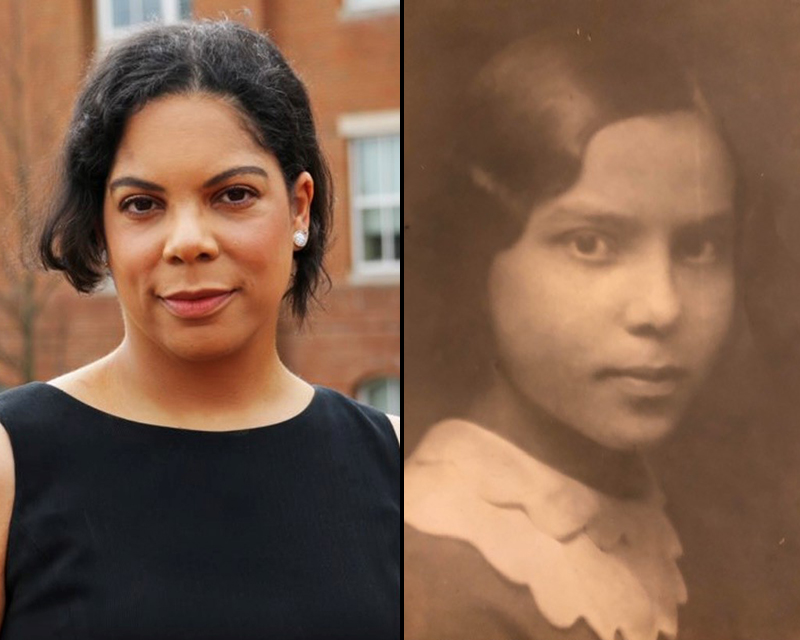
(368, 8)
(393, 392)
(352, 127)
(104, 15)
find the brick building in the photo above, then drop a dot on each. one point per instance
(348, 53)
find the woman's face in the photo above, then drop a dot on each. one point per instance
(611, 306)
(198, 227)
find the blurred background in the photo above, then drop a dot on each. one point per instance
(347, 52)
(731, 472)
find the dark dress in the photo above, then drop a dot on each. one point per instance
(126, 530)
(452, 593)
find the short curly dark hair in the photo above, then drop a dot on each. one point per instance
(223, 59)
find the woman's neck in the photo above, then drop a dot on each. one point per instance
(528, 426)
(246, 389)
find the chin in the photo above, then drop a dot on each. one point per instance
(631, 433)
(202, 350)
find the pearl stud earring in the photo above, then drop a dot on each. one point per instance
(300, 238)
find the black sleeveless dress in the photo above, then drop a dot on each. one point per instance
(128, 531)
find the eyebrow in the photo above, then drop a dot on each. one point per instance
(131, 181)
(722, 225)
(236, 171)
(599, 217)
(609, 219)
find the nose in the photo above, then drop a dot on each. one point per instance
(190, 237)
(654, 303)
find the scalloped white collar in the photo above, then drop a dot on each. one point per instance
(582, 553)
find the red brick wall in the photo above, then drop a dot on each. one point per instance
(250, 12)
(54, 39)
(349, 65)
(76, 330)
(355, 338)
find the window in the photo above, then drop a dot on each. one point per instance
(376, 201)
(375, 192)
(381, 393)
(368, 5)
(116, 18)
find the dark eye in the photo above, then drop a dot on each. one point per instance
(590, 245)
(702, 249)
(237, 195)
(138, 205)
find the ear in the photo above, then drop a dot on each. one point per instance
(302, 194)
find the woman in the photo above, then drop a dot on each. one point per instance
(188, 485)
(597, 226)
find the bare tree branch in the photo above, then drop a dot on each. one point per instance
(50, 284)
(25, 293)
(8, 307)
(9, 359)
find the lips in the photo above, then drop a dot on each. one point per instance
(646, 381)
(198, 303)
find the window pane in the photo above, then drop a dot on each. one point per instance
(396, 232)
(373, 234)
(369, 178)
(379, 395)
(372, 222)
(392, 164)
(393, 406)
(383, 394)
(151, 10)
(370, 4)
(122, 13)
(376, 189)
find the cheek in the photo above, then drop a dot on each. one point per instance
(132, 255)
(533, 297)
(709, 308)
(544, 323)
(130, 244)
(263, 241)
(261, 249)
(544, 327)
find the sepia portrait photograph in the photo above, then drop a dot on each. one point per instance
(602, 320)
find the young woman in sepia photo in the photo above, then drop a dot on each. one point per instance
(594, 231)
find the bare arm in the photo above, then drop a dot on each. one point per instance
(6, 505)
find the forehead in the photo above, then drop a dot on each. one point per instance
(180, 128)
(666, 165)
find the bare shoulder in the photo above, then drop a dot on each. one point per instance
(7, 489)
(395, 420)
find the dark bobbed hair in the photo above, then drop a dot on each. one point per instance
(520, 131)
(535, 106)
(223, 59)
